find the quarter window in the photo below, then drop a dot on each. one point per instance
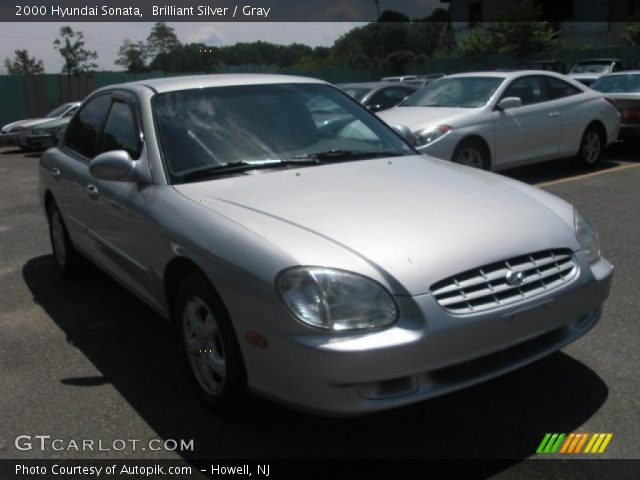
(120, 131)
(82, 134)
(560, 89)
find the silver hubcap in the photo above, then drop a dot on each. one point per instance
(471, 157)
(57, 235)
(203, 344)
(591, 147)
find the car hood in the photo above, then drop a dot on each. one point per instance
(415, 219)
(9, 126)
(35, 121)
(420, 117)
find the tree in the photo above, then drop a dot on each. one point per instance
(77, 59)
(22, 64)
(518, 32)
(188, 58)
(161, 40)
(132, 56)
(631, 33)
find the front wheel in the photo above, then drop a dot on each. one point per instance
(591, 147)
(472, 153)
(210, 345)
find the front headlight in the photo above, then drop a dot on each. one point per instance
(335, 299)
(587, 237)
(428, 135)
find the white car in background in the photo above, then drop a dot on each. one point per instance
(14, 133)
(498, 120)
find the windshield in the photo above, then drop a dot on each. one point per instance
(462, 92)
(248, 126)
(628, 83)
(58, 111)
(356, 92)
(591, 67)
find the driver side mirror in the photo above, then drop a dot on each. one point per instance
(509, 102)
(115, 165)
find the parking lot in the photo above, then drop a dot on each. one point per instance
(82, 358)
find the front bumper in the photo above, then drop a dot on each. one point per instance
(428, 352)
(9, 138)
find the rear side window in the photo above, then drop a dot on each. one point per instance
(560, 89)
(83, 130)
(120, 131)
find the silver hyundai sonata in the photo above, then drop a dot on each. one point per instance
(324, 264)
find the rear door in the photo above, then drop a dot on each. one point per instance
(71, 170)
(529, 132)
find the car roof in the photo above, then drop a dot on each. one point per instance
(374, 85)
(623, 72)
(170, 84)
(510, 74)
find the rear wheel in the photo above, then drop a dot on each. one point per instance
(210, 345)
(591, 146)
(67, 258)
(472, 153)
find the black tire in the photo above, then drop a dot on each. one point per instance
(225, 392)
(591, 147)
(472, 153)
(68, 260)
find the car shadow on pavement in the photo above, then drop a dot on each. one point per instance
(568, 167)
(135, 350)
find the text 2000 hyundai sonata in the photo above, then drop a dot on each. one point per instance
(306, 252)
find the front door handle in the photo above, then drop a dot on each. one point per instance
(92, 192)
(55, 173)
(554, 114)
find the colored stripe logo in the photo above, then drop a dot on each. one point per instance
(574, 443)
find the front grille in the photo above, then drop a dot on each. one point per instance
(486, 287)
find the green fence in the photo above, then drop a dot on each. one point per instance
(18, 98)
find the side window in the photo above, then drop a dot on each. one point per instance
(616, 67)
(120, 131)
(560, 89)
(83, 130)
(389, 97)
(530, 90)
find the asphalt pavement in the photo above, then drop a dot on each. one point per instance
(83, 358)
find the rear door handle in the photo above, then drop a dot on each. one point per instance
(92, 192)
(554, 114)
(55, 173)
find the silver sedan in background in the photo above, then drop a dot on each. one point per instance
(498, 120)
(336, 271)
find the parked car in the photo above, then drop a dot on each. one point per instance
(13, 133)
(45, 135)
(624, 89)
(377, 96)
(325, 271)
(588, 71)
(498, 120)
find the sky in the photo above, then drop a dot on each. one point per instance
(105, 38)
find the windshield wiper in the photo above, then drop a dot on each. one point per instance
(339, 155)
(243, 165)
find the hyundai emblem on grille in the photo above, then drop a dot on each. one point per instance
(514, 278)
